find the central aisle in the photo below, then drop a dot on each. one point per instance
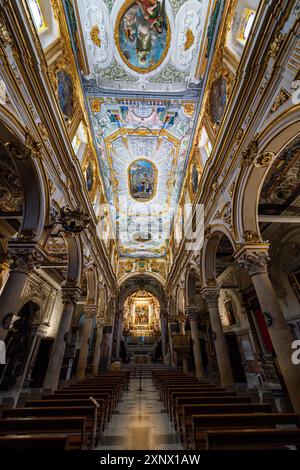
(140, 422)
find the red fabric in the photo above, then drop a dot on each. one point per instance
(264, 330)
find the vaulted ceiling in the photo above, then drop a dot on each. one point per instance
(142, 67)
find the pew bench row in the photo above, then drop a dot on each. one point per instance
(73, 418)
(209, 417)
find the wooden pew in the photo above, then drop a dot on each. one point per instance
(189, 387)
(184, 424)
(254, 439)
(171, 405)
(42, 442)
(74, 427)
(202, 423)
(104, 397)
(112, 390)
(182, 385)
(182, 401)
(88, 412)
(172, 392)
(74, 403)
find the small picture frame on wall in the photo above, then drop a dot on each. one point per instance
(230, 314)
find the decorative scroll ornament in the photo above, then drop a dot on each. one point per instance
(4, 34)
(94, 33)
(189, 39)
(74, 221)
(264, 159)
(251, 237)
(281, 98)
(22, 151)
(276, 45)
(249, 155)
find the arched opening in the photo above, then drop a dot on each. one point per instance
(141, 334)
(20, 344)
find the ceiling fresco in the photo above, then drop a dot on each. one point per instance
(142, 147)
(140, 63)
(143, 44)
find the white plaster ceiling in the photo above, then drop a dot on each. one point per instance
(142, 113)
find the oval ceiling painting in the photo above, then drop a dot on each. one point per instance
(142, 34)
(142, 180)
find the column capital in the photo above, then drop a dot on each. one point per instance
(70, 293)
(100, 321)
(211, 295)
(192, 312)
(90, 310)
(254, 259)
(24, 257)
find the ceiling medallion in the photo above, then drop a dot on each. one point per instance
(142, 34)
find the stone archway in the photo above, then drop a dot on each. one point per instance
(262, 153)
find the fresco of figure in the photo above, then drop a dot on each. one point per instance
(142, 179)
(142, 34)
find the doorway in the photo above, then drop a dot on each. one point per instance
(235, 358)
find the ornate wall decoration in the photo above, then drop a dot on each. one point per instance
(65, 93)
(169, 74)
(11, 190)
(189, 109)
(264, 159)
(281, 186)
(218, 99)
(251, 237)
(56, 248)
(189, 24)
(212, 26)
(276, 44)
(115, 72)
(94, 33)
(189, 39)
(142, 34)
(89, 177)
(97, 34)
(281, 98)
(249, 155)
(194, 178)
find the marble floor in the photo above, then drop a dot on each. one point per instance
(140, 422)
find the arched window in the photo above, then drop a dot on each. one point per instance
(37, 15)
(205, 146)
(43, 17)
(246, 25)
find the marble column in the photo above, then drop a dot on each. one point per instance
(211, 295)
(193, 312)
(24, 258)
(89, 313)
(70, 296)
(119, 333)
(163, 322)
(255, 260)
(97, 352)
